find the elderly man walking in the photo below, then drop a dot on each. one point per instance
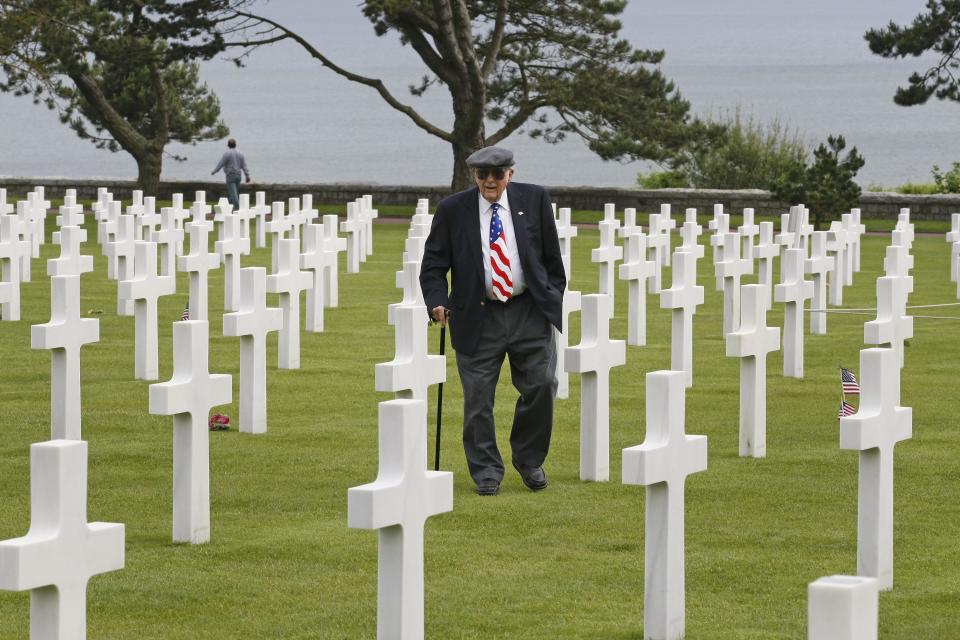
(499, 243)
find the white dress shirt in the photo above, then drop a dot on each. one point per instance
(486, 214)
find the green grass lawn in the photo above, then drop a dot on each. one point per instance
(565, 563)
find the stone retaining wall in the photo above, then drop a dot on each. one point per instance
(872, 205)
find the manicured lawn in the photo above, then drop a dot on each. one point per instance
(565, 563)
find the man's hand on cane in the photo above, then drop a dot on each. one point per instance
(440, 314)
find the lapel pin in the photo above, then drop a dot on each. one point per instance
(519, 213)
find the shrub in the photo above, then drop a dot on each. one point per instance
(749, 155)
(671, 179)
(948, 182)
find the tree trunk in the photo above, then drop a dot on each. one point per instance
(463, 145)
(149, 165)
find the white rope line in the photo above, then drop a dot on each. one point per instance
(871, 312)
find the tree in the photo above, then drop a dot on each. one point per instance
(558, 64)
(938, 31)
(827, 185)
(121, 74)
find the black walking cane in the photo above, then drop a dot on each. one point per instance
(443, 344)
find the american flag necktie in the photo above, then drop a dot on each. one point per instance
(500, 273)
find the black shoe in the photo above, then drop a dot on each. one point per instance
(488, 487)
(534, 477)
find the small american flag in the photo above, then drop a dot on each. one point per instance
(186, 312)
(849, 382)
(846, 409)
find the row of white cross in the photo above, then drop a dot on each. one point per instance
(62, 551)
(405, 493)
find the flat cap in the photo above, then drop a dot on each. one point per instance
(490, 157)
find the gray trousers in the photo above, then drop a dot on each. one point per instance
(517, 330)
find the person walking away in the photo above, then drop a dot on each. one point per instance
(498, 241)
(233, 164)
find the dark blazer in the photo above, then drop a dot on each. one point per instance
(454, 245)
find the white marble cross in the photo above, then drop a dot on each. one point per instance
(787, 238)
(818, 265)
(593, 358)
(837, 244)
(145, 289)
(874, 430)
(107, 229)
(904, 224)
(842, 608)
(794, 291)
(123, 250)
(333, 245)
(764, 252)
(689, 234)
(101, 210)
(408, 281)
(12, 250)
(751, 343)
(150, 218)
(188, 396)
(721, 227)
(230, 248)
(278, 227)
(260, 211)
(63, 335)
(802, 228)
(897, 261)
(413, 370)
(892, 326)
(748, 231)
(307, 210)
(859, 229)
(850, 238)
(221, 210)
(135, 211)
(252, 323)
(398, 503)
(731, 269)
(312, 260)
(61, 551)
(566, 232)
(180, 216)
(665, 225)
(289, 281)
(70, 213)
(610, 215)
(656, 246)
(167, 238)
(198, 264)
(25, 229)
(199, 210)
(662, 464)
(636, 269)
(70, 261)
(571, 303)
(607, 255)
(295, 217)
(953, 237)
(369, 215)
(245, 214)
(37, 220)
(354, 227)
(683, 298)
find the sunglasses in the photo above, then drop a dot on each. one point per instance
(498, 173)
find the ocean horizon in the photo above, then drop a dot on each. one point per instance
(807, 67)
